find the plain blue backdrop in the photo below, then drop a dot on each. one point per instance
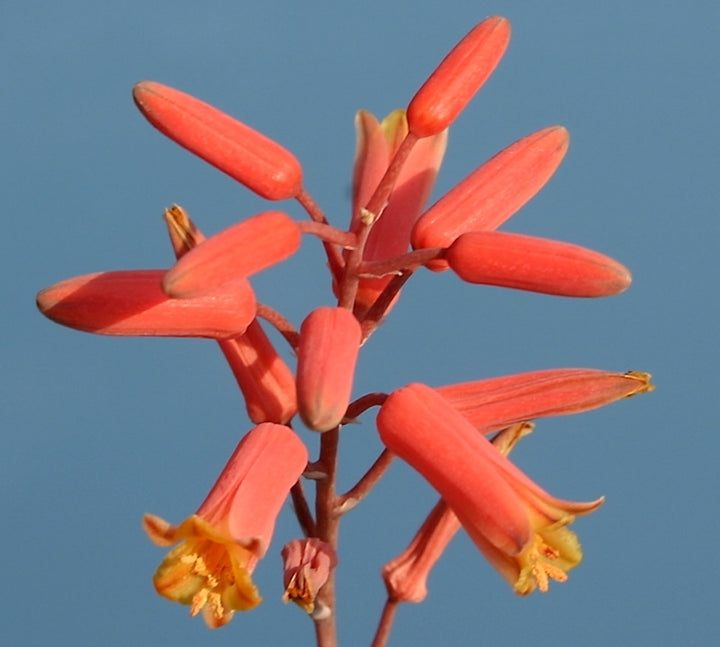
(96, 431)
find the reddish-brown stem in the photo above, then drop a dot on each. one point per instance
(385, 624)
(410, 261)
(302, 510)
(363, 403)
(312, 207)
(328, 233)
(382, 303)
(277, 321)
(361, 489)
(327, 530)
(375, 206)
(335, 259)
(380, 197)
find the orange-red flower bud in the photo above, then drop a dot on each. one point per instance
(244, 154)
(493, 192)
(535, 264)
(498, 402)
(327, 353)
(460, 75)
(235, 253)
(266, 381)
(133, 303)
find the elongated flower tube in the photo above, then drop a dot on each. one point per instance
(458, 77)
(406, 575)
(133, 303)
(493, 192)
(239, 251)
(222, 542)
(377, 143)
(266, 381)
(496, 402)
(244, 154)
(518, 526)
(306, 568)
(536, 265)
(328, 350)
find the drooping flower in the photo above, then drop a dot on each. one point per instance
(406, 575)
(266, 381)
(222, 542)
(306, 567)
(520, 528)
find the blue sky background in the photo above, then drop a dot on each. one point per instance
(96, 431)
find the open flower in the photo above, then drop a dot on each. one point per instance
(377, 145)
(520, 528)
(307, 564)
(222, 542)
(267, 383)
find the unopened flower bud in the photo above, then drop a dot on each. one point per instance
(493, 192)
(247, 156)
(536, 265)
(328, 350)
(460, 75)
(133, 303)
(239, 251)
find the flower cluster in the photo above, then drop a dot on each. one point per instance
(457, 436)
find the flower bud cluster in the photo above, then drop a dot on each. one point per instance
(440, 432)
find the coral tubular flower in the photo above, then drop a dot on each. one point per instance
(536, 265)
(458, 77)
(497, 402)
(493, 192)
(406, 575)
(266, 381)
(239, 251)
(328, 350)
(244, 154)
(306, 567)
(518, 526)
(377, 143)
(267, 384)
(133, 303)
(222, 542)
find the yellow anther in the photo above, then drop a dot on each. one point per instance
(198, 601)
(542, 569)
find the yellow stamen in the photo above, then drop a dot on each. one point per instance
(541, 556)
